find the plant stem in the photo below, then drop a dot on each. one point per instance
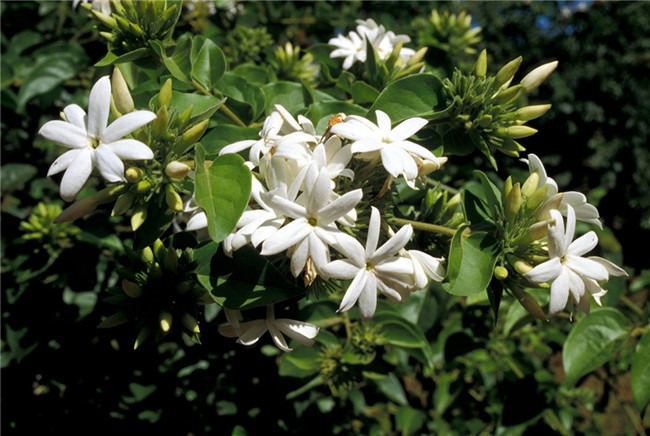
(425, 226)
(629, 303)
(231, 115)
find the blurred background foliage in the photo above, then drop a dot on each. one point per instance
(450, 368)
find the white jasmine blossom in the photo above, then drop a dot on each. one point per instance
(425, 267)
(374, 269)
(583, 210)
(94, 145)
(250, 332)
(103, 6)
(570, 273)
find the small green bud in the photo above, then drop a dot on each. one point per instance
(155, 271)
(131, 289)
(114, 320)
(183, 287)
(108, 20)
(173, 200)
(146, 255)
(500, 272)
(142, 336)
(138, 218)
(165, 320)
(529, 303)
(189, 322)
(513, 202)
(508, 95)
(159, 250)
(484, 121)
(165, 95)
(123, 204)
(177, 170)
(530, 185)
(536, 198)
(507, 72)
(142, 186)
(528, 113)
(511, 145)
(110, 37)
(171, 262)
(536, 77)
(184, 117)
(534, 233)
(121, 94)
(516, 132)
(544, 212)
(451, 207)
(79, 208)
(417, 57)
(480, 68)
(159, 125)
(507, 187)
(190, 137)
(522, 267)
(133, 174)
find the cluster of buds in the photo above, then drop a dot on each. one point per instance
(486, 110)
(133, 24)
(290, 64)
(158, 292)
(41, 226)
(450, 33)
(246, 44)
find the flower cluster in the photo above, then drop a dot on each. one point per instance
(353, 46)
(298, 205)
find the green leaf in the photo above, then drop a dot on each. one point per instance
(225, 134)
(409, 420)
(159, 218)
(594, 340)
(238, 89)
(641, 372)
(414, 96)
(288, 94)
(223, 188)
(471, 262)
(111, 58)
(361, 92)
(252, 73)
(474, 208)
(492, 193)
(14, 175)
(392, 388)
(482, 146)
(170, 63)
(456, 141)
(301, 362)
(209, 65)
(321, 112)
(48, 74)
(401, 333)
(202, 105)
(421, 309)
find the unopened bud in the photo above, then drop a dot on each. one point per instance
(428, 166)
(189, 322)
(530, 185)
(507, 95)
(184, 117)
(114, 320)
(146, 255)
(77, 209)
(516, 132)
(511, 145)
(484, 121)
(173, 200)
(121, 94)
(190, 137)
(451, 207)
(513, 202)
(529, 303)
(110, 37)
(171, 262)
(165, 94)
(159, 125)
(142, 186)
(142, 336)
(522, 267)
(417, 57)
(155, 271)
(138, 218)
(108, 20)
(534, 233)
(183, 287)
(544, 212)
(480, 68)
(123, 204)
(131, 289)
(528, 113)
(507, 187)
(177, 170)
(536, 77)
(533, 201)
(507, 72)
(159, 250)
(133, 174)
(500, 272)
(165, 320)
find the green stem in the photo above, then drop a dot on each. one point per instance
(425, 226)
(629, 303)
(231, 115)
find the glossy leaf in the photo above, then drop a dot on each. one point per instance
(471, 262)
(238, 89)
(209, 65)
(225, 134)
(46, 76)
(593, 341)
(223, 188)
(409, 420)
(641, 372)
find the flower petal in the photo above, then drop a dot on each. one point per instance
(556, 247)
(126, 124)
(612, 269)
(406, 129)
(298, 331)
(586, 267)
(299, 256)
(65, 134)
(583, 244)
(75, 116)
(109, 165)
(393, 245)
(318, 252)
(286, 237)
(76, 175)
(576, 285)
(354, 290)
(99, 105)
(570, 227)
(131, 149)
(279, 340)
(559, 293)
(252, 331)
(367, 302)
(367, 145)
(546, 271)
(383, 122)
(416, 149)
(63, 162)
(341, 269)
(400, 265)
(197, 221)
(373, 232)
(339, 207)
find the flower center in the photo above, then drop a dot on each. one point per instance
(312, 221)
(94, 142)
(370, 266)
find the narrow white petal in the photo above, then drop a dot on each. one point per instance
(559, 293)
(252, 331)
(383, 122)
(65, 134)
(320, 193)
(368, 298)
(399, 265)
(282, 206)
(286, 237)
(298, 331)
(583, 244)
(373, 232)
(570, 227)
(131, 149)
(278, 339)
(585, 304)
(109, 165)
(546, 271)
(406, 129)
(76, 175)
(126, 124)
(197, 221)
(393, 245)
(397, 161)
(63, 162)
(367, 145)
(354, 290)
(350, 247)
(265, 230)
(99, 105)
(556, 247)
(228, 331)
(318, 251)
(339, 207)
(341, 269)
(432, 266)
(416, 149)
(353, 130)
(612, 269)
(576, 285)
(299, 257)
(75, 115)
(586, 267)
(238, 146)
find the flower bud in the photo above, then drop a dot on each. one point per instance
(177, 170)
(173, 200)
(544, 212)
(516, 132)
(189, 322)
(511, 145)
(183, 287)
(155, 271)
(536, 77)
(142, 186)
(480, 68)
(165, 320)
(529, 303)
(142, 336)
(507, 187)
(533, 201)
(159, 125)
(131, 289)
(146, 255)
(507, 95)
(451, 207)
(500, 272)
(171, 261)
(114, 320)
(123, 204)
(110, 37)
(109, 21)
(522, 267)
(513, 202)
(535, 232)
(121, 94)
(138, 218)
(184, 117)
(159, 250)
(79, 208)
(528, 113)
(417, 57)
(133, 174)
(484, 121)
(507, 72)
(530, 185)
(190, 137)
(165, 94)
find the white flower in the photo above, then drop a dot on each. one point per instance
(103, 6)
(570, 273)
(374, 269)
(390, 144)
(583, 210)
(352, 48)
(250, 332)
(93, 144)
(313, 228)
(425, 267)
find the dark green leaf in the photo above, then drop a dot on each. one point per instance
(238, 89)
(471, 262)
(287, 94)
(409, 420)
(225, 134)
(209, 65)
(175, 70)
(413, 96)
(252, 73)
(14, 175)
(159, 218)
(392, 388)
(47, 75)
(641, 372)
